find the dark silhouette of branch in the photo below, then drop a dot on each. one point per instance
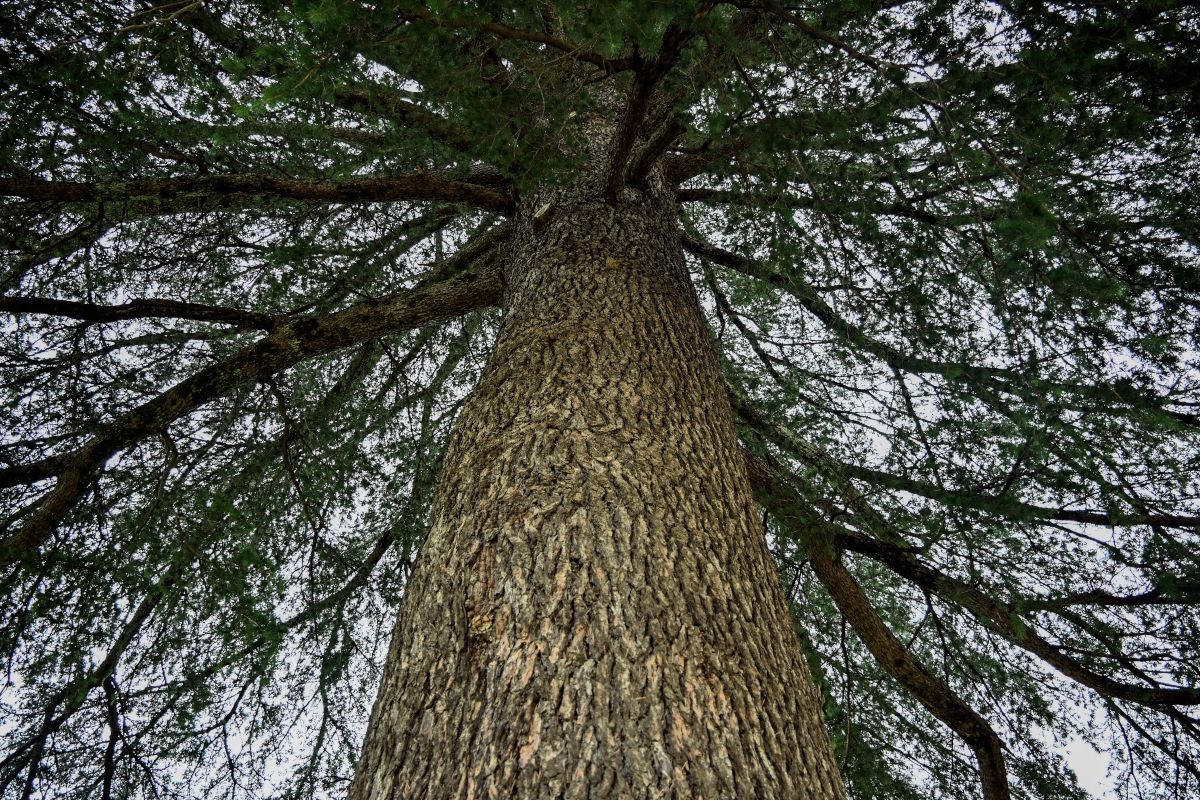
(289, 343)
(25, 755)
(1002, 617)
(648, 77)
(805, 525)
(149, 308)
(1097, 597)
(28, 754)
(649, 155)
(113, 718)
(1006, 380)
(1009, 507)
(354, 190)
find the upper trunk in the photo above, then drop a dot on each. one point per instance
(594, 612)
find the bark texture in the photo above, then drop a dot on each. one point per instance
(594, 613)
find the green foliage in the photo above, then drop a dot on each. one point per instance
(963, 284)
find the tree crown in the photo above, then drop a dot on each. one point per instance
(252, 254)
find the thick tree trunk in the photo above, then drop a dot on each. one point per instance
(594, 613)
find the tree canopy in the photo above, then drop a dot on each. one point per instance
(252, 258)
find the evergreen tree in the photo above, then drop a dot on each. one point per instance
(543, 291)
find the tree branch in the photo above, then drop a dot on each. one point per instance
(648, 77)
(1009, 507)
(291, 342)
(355, 190)
(777, 200)
(1008, 380)
(886, 68)
(137, 309)
(644, 161)
(1002, 618)
(375, 99)
(27, 754)
(1098, 597)
(854, 605)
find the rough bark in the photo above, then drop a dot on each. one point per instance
(595, 613)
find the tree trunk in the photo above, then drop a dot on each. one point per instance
(595, 613)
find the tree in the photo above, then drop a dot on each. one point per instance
(544, 290)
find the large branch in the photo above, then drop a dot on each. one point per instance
(1000, 617)
(290, 343)
(652, 151)
(802, 523)
(1003, 618)
(353, 190)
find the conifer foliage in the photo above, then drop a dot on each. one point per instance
(253, 262)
